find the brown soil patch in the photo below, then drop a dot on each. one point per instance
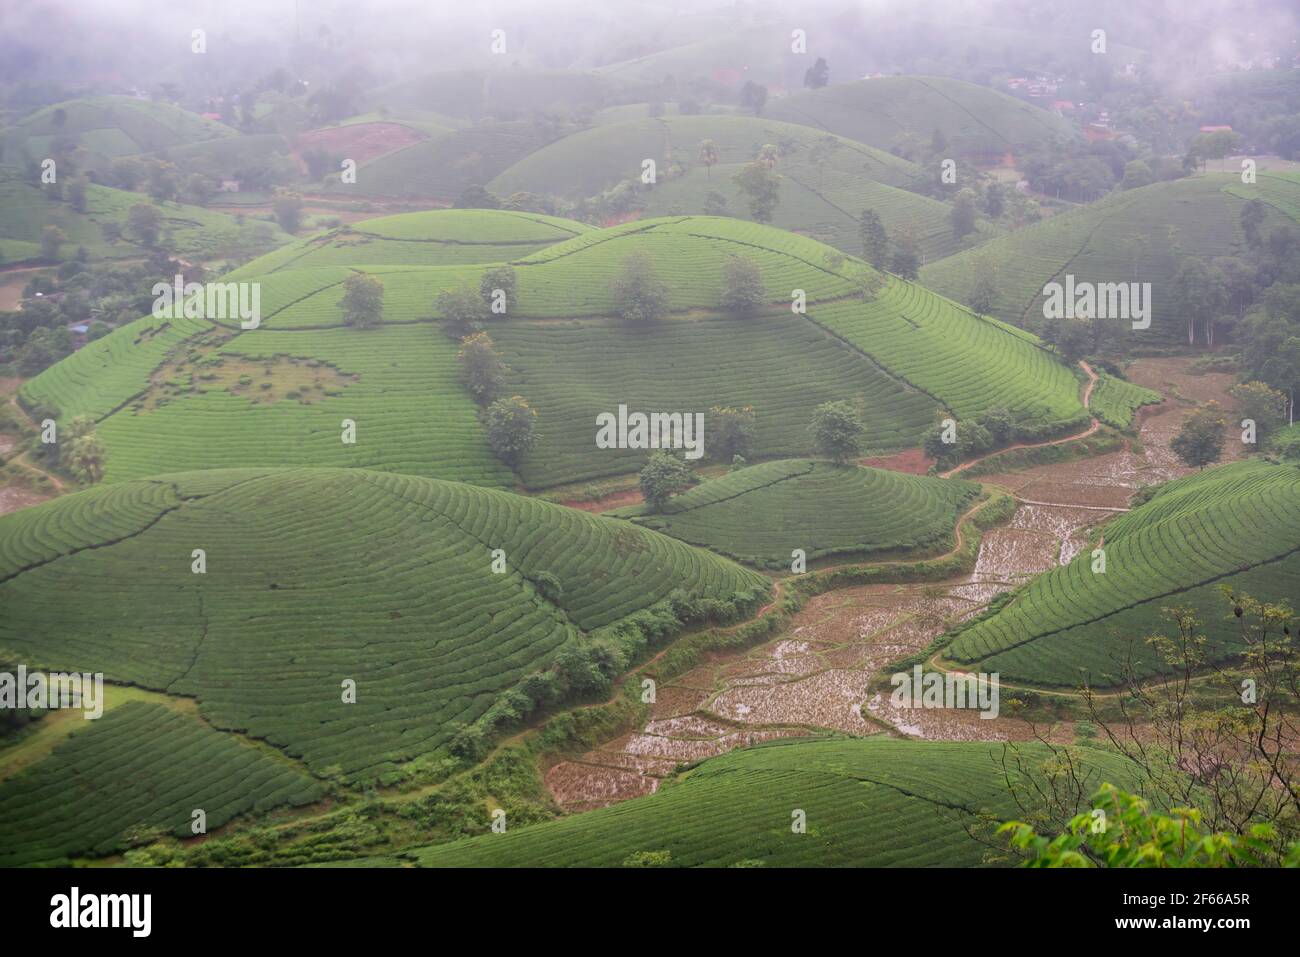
(198, 366)
(13, 499)
(360, 141)
(621, 499)
(911, 461)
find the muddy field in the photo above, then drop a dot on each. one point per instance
(816, 674)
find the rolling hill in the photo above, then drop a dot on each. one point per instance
(1237, 526)
(1137, 235)
(878, 802)
(108, 127)
(178, 394)
(976, 121)
(826, 180)
(758, 514)
(315, 577)
(191, 232)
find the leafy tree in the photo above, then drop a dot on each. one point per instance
(715, 204)
(663, 476)
(1253, 215)
(907, 254)
(732, 432)
(287, 207)
(84, 457)
(498, 277)
(52, 237)
(708, 156)
(1200, 294)
(76, 194)
(1123, 831)
(995, 200)
(962, 214)
(1069, 337)
(817, 75)
(511, 428)
(875, 241)
(753, 97)
(476, 197)
(1270, 340)
(763, 189)
(768, 154)
(742, 285)
(1200, 441)
(163, 184)
(837, 431)
(639, 295)
(363, 300)
(463, 310)
(1266, 406)
(984, 287)
(1136, 174)
(144, 221)
(199, 188)
(481, 366)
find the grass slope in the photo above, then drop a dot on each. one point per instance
(194, 393)
(878, 802)
(315, 576)
(108, 127)
(136, 773)
(1139, 235)
(1237, 525)
(760, 513)
(975, 120)
(194, 231)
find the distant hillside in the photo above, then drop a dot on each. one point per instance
(976, 121)
(1140, 235)
(108, 127)
(188, 231)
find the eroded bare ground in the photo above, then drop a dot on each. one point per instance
(816, 675)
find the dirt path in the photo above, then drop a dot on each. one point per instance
(1092, 428)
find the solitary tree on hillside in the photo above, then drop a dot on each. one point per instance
(962, 215)
(287, 207)
(52, 237)
(875, 241)
(817, 75)
(1253, 215)
(1200, 441)
(482, 367)
(708, 156)
(663, 476)
(498, 286)
(732, 432)
(476, 197)
(463, 310)
(753, 96)
(763, 187)
(984, 287)
(907, 254)
(511, 428)
(742, 285)
(639, 295)
(144, 222)
(363, 300)
(1265, 406)
(837, 431)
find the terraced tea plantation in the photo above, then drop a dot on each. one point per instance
(760, 513)
(1236, 526)
(1115, 401)
(135, 774)
(882, 111)
(299, 563)
(1137, 235)
(163, 401)
(867, 803)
